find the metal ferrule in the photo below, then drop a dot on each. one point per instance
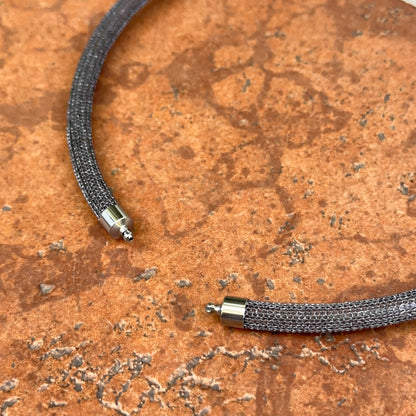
(117, 223)
(231, 311)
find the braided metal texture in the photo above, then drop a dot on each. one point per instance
(79, 132)
(265, 316)
(331, 317)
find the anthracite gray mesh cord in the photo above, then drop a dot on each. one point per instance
(237, 312)
(79, 131)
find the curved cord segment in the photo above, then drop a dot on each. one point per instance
(79, 130)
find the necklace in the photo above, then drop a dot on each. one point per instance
(234, 311)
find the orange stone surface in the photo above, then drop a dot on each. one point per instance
(265, 149)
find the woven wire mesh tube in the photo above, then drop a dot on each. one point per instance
(79, 130)
(331, 317)
(241, 313)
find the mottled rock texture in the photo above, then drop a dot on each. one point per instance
(265, 149)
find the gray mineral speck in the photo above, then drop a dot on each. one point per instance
(205, 411)
(183, 283)
(89, 377)
(341, 402)
(45, 289)
(57, 246)
(35, 345)
(100, 390)
(190, 314)
(78, 325)
(84, 344)
(358, 166)
(323, 360)
(147, 274)
(270, 284)
(403, 189)
(146, 358)
(246, 398)
(77, 361)
(58, 353)
(78, 387)
(161, 317)
(8, 403)
(297, 279)
(53, 404)
(204, 334)
(381, 136)
(184, 393)
(232, 277)
(9, 385)
(223, 283)
(121, 326)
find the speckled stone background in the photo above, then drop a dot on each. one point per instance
(265, 149)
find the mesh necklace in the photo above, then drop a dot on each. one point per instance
(234, 311)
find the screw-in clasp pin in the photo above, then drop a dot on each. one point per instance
(210, 307)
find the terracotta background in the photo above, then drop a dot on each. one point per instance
(265, 149)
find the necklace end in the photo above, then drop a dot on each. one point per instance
(117, 223)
